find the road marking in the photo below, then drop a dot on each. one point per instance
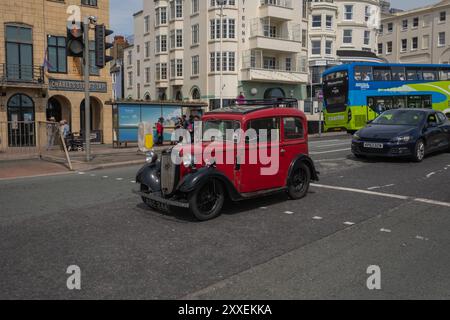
(332, 145)
(385, 195)
(119, 179)
(331, 151)
(430, 175)
(263, 208)
(132, 181)
(331, 160)
(385, 230)
(348, 223)
(289, 212)
(92, 175)
(381, 187)
(317, 218)
(105, 177)
(372, 193)
(422, 238)
(324, 141)
(433, 202)
(81, 173)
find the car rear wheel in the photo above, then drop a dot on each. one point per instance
(419, 151)
(299, 182)
(206, 202)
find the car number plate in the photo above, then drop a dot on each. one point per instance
(374, 145)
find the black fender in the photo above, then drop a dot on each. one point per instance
(149, 175)
(306, 160)
(197, 179)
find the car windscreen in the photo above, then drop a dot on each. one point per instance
(220, 130)
(401, 117)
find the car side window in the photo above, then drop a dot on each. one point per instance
(432, 119)
(442, 118)
(293, 128)
(266, 130)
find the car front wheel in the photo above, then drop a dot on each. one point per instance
(299, 182)
(419, 151)
(206, 202)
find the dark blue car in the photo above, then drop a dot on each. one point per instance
(411, 133)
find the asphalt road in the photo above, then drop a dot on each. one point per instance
(387, 213)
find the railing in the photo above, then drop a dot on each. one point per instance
(265, 28)
(21, 73)
(278, 3)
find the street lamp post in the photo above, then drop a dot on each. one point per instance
(221, 4)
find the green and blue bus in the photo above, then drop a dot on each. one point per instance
(357, 93)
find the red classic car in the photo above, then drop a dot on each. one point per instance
(243, 152)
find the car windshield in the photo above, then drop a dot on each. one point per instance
(220, 130)
(401, 117)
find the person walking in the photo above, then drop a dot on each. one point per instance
(240, 100)
(52, 129)
(160, 131)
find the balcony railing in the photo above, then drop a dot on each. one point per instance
(19, 73)
(278, 3)
(264, 28)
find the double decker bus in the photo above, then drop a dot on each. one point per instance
(357, 93)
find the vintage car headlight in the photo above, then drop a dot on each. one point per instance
(188, 161)
(151, 157)
(402, 139)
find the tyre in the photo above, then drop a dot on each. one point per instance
(419, 151)
(206, 202)
(299, 182)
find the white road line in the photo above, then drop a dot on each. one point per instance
(385, 230)
(430, 175)
(119, 179)
(317, 218)
(331, 151)
(263, 208)
(379, 194)
(324, 141)
(349, 223)
(289, 212)
(433, 202)
(385, 195)
(422, 238)
(332, 145)
(105, 177)
(331, 160)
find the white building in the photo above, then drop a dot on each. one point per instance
(417, 36)
(341, 32)
(186, 50)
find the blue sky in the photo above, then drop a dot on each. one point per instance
(122, 12)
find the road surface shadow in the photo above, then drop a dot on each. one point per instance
(230, 208)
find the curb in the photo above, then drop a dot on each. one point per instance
(87, 167)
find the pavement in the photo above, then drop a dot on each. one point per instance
(392, 214)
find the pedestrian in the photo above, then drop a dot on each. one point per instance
(240, 99)
(52, 129)
(160, 131)
(185, 122)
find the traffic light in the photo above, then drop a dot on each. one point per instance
(75, 40)
(101, 45)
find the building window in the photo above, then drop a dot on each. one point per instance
(316, 47)
(161, 16)
(390, 27)
(404, 46)
(415, 43)
(179, 42)
(147, 24)
(57, 58)
(19, 53)
(348, 12)
(317, 21)
(226, 31)
(389, 47)
(441, 39)
(367, 37)
(130, 79)
(195, 66)
(329, 47)
(348, 36)
(195, 34)
(147, 49)
(329, 22)
(416, 22)
(94, 70)
(380, 48)
(225, 63)
(443, 16)
(92, 3)
(405, 25)
(147, 75)
(195, 6)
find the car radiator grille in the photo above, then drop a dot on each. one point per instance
(169, 176)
